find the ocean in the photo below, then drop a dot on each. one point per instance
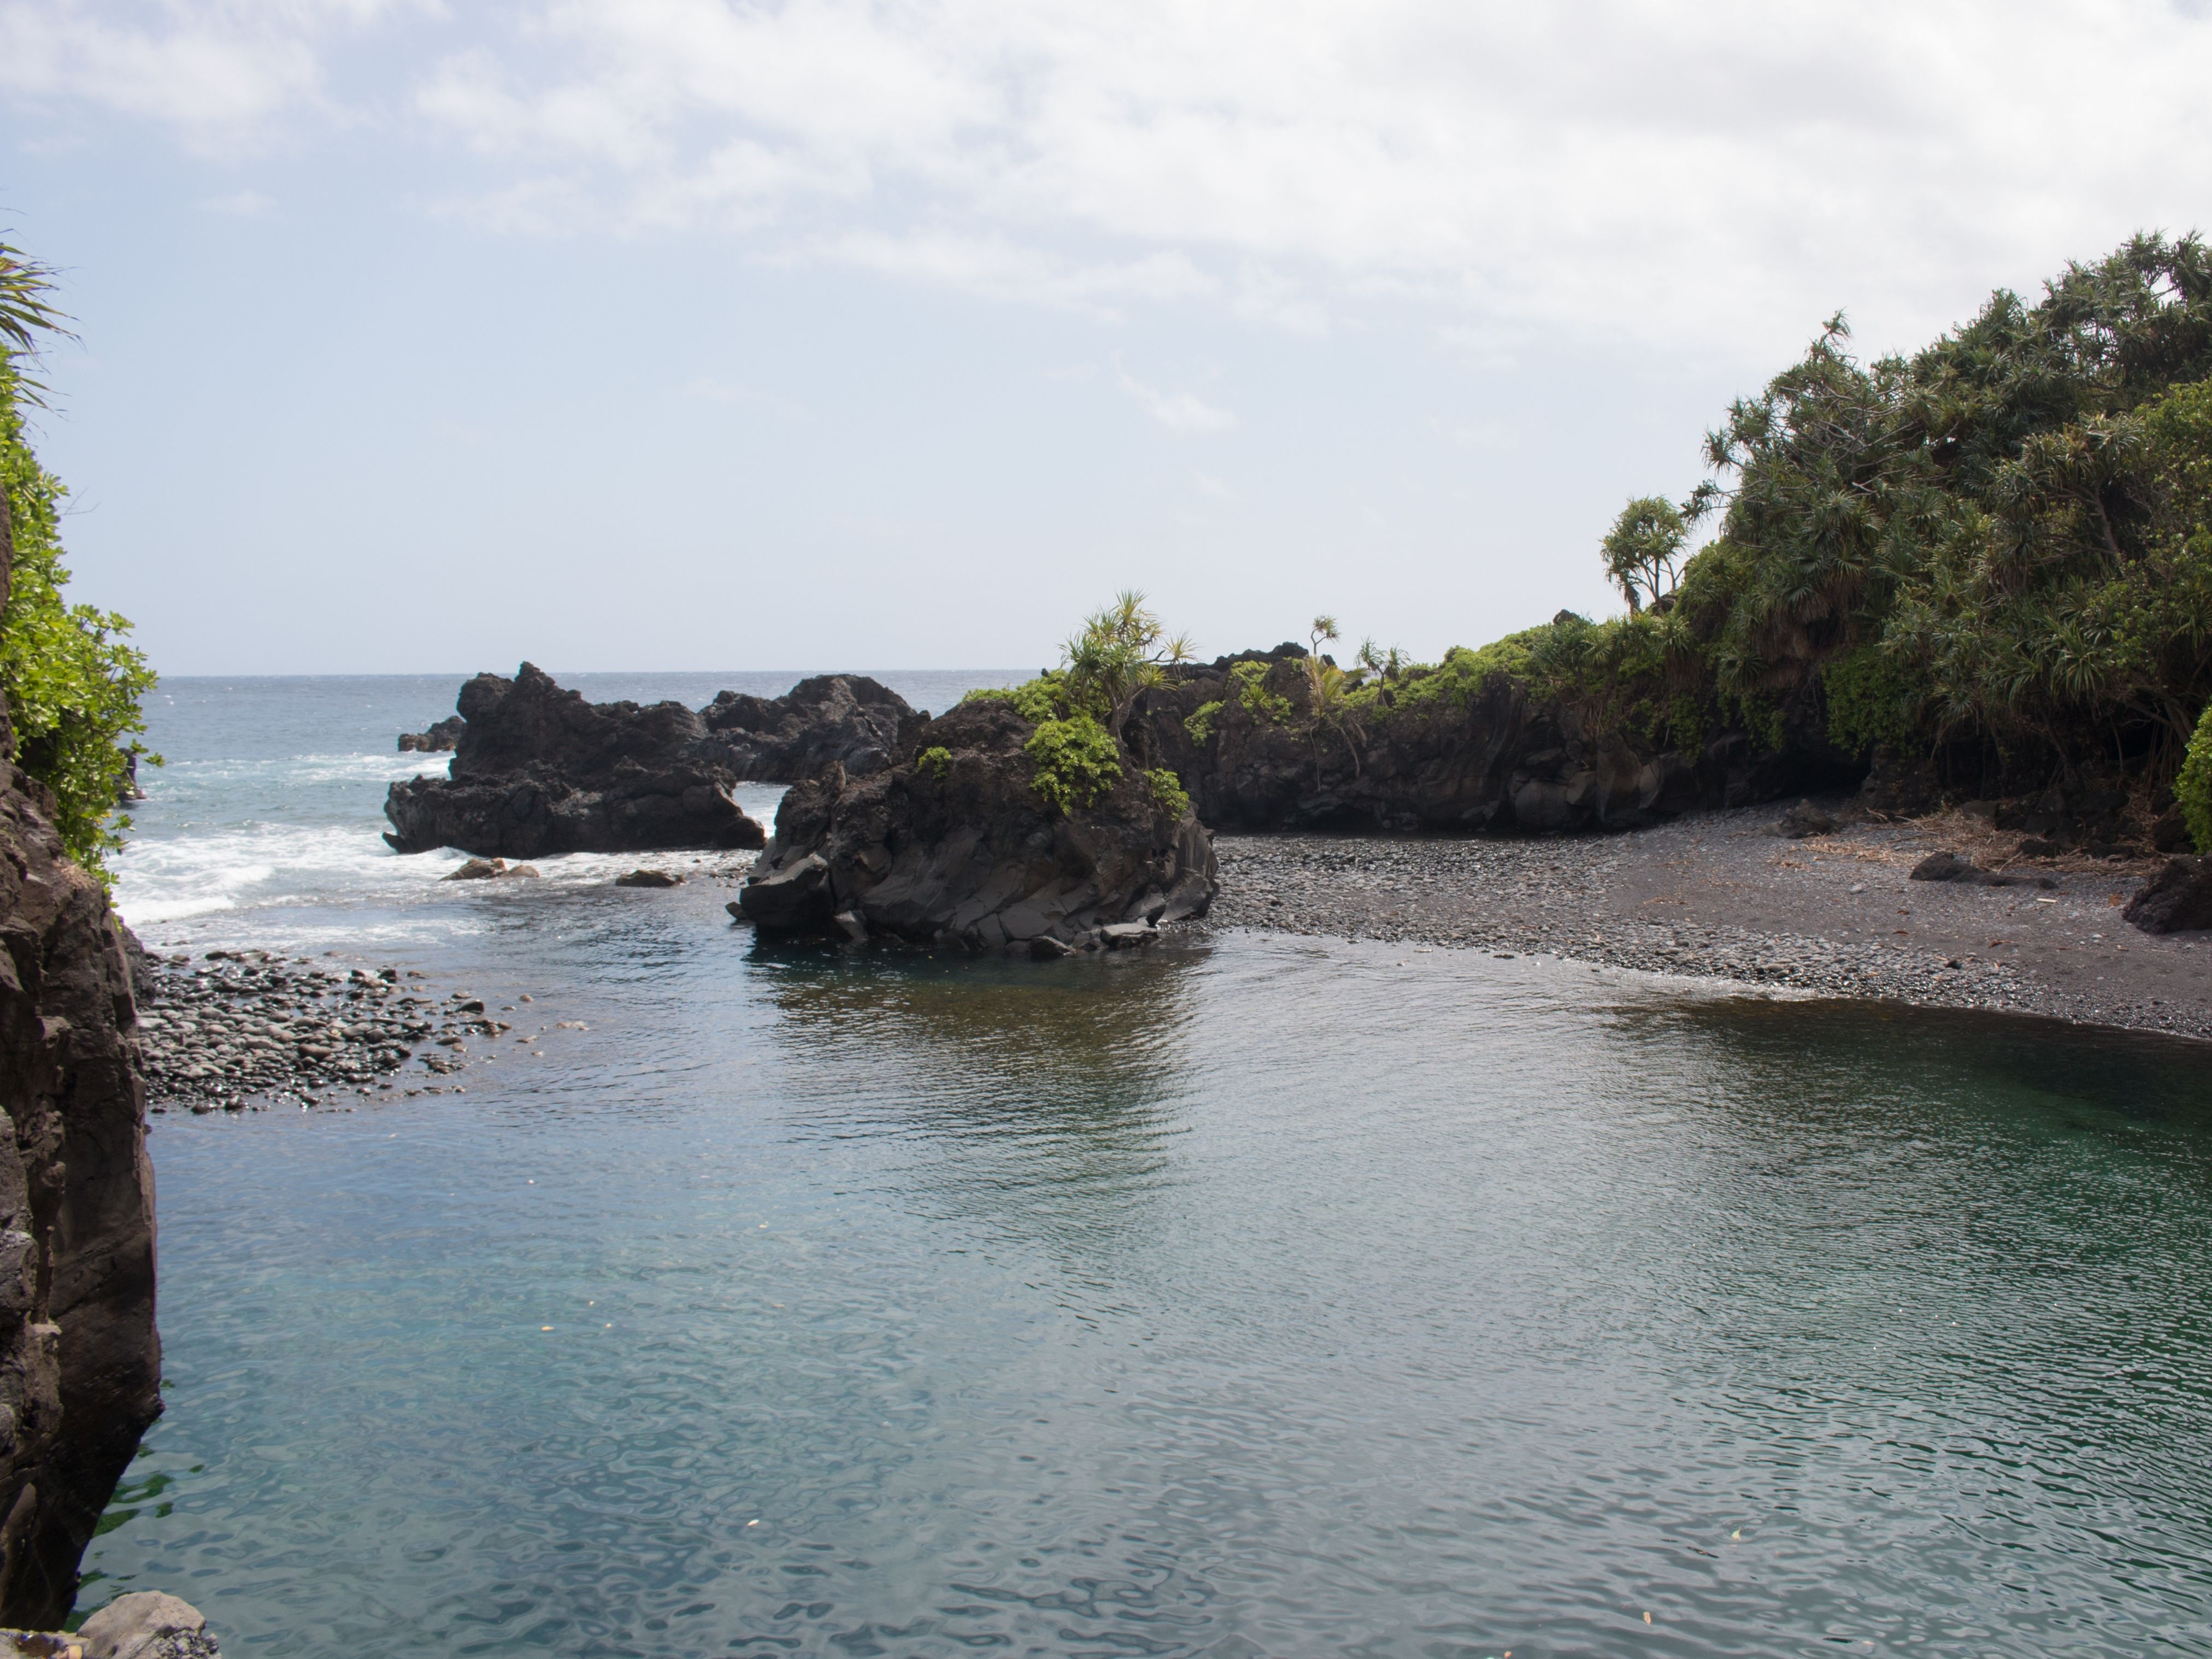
(1255, 1296)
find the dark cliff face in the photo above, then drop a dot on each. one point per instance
(80, 1363)
(1495, 762)
(538, 770)
(958, 849)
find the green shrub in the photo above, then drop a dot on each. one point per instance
(2193, 788)
(1044, 698)
(936, 761)
(1168, 790)
(1252, 691)
(1076, 761)
(1200, 725)
(73, 681)
(1870, 700)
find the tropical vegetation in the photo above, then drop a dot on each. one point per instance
(74, 682)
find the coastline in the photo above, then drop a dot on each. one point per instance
(1724, 895)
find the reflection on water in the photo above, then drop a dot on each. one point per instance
(1272, 1298)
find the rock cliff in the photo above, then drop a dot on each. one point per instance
(537, 770)
(951, 844)
(80, 1363)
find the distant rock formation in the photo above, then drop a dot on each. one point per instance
(440, 737)
(537, 770)
(952, 846)
(842, 720)
(80, 1364)
(1245, 739)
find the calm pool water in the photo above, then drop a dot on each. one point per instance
(1259, 1297)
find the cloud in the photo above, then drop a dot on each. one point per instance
(1700, 179)
(1178, 411)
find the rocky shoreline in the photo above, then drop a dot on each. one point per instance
(244, 1030)
(1723, 895)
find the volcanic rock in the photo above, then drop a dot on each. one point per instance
(80, 1364)
(964, 853)
(1475, 756)
(843, 720)
(442, 736)
(2178, 899)
(537, 770)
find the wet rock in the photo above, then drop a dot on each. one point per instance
(538, 770)
(147, 1625)
(440, 737)
(967, 852)
(840, 720)
(649, 879)
(2178, 899)
(478, 870)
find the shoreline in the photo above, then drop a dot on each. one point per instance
(1715, 896)
(1725, 896)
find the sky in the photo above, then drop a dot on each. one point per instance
(700, 334)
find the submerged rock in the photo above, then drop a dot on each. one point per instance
(538, 770)
(963, 851)
(840, 720)
(649, 879)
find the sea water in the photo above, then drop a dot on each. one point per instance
(1255, 1296)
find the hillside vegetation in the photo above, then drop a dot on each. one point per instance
(73, 681)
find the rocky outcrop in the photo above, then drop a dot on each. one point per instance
(2177, 900)
(952, 846)
(1255, 756)
(832, 719)
(442, 736)
(537, 770)
(80, 1364)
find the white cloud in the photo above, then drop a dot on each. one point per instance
(1709, 177)
(1178, 411)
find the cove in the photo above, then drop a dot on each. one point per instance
(1253, 1296)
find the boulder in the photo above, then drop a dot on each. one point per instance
(649, 879)
(442, 736)
(537, 770)
(965, 853)
(2177, 900)
(477, 870)
(840, 720)
(147, 1625)
(1804, 820)
(1949, 866)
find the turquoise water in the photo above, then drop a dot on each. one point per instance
(1261, 1296)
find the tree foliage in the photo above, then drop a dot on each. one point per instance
(73, 681)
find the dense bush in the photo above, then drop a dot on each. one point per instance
(2193, 788)
(74, 682)
(1076, 761)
